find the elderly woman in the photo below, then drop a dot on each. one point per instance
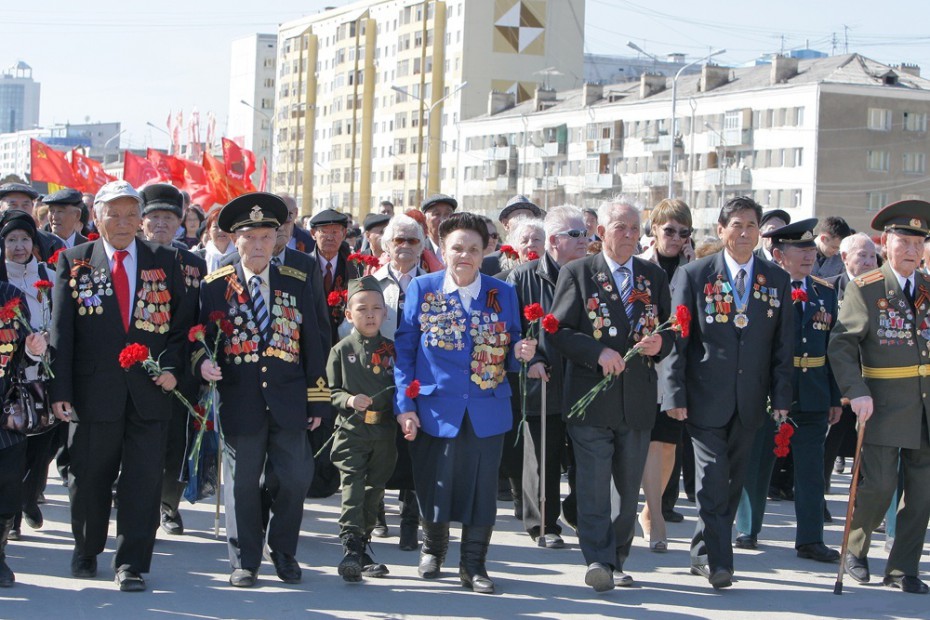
(566, 240)
(671, 231)
(458, 335)
(218, 245)
(15, 341)
(18, 236)
(527, 236)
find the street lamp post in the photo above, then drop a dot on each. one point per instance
(270, 133)
(429, 138)
(721, 165)
(671, 155)
(107, 144)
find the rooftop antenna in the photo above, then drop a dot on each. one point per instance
(548, 72)
(846, 37)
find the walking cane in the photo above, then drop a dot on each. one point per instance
(541, 540)
(853, 487)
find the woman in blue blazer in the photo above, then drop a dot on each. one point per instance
(458, 336)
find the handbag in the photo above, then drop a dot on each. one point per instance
(26, 407)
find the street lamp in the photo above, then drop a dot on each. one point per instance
(107, 143)
(429, 111)
(270, 132)
(631, 45)
(671, 156)
(155, 127)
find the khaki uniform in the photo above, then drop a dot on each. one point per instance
(363, 450)
(877, 323)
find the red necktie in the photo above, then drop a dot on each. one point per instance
(121, 287)
(328, 278)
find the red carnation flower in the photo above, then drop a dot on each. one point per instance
(798, 294)
(550, 324)
(197, 425)
(356, 257)
(53, 259)
(9, 310)
(227, 327)
(509, 252)
(413, 390)
(216, 316)
(197, 332)
(783, 439)
(334, 299)
(531, 255)
(43, 285)
(199, 410)
(93, 236)
(683, 320)
(533, 312)
(134, 353)
(209, 425)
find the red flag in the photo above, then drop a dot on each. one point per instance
(249, 157)
(196, 184)
(140, 172)
(50, 165)
(167, 166)
(217, 179)
(237, 166)
(88, 173)
(263, 178)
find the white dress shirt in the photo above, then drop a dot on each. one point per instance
(466, 293)
(734, 268)
(614, 266)
(902, 280)
(130, 264)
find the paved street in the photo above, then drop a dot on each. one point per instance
(189, 578)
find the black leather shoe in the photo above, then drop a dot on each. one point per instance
(600, 577)
(370, 568)
(819, 552)
(286, 566)
(242, 578)
(172, 524)
(129, 581)
(911, 585)
(33, 517)
(857, 568)
(700, 570)
(672, 517)
(745, 541)
(83, 567)
(721, 578)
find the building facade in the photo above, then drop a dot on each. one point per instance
(842, 135)
(369, 96)
(252, 81)
(19, 99)
(98, 141)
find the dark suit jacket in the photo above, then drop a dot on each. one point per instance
(815, 389)
(632, 397)
(839, 283)
(720, 369)
(193, 270)
(491, 264)
(345, 271)
(46, 245)
(291, 391)
(86, 347)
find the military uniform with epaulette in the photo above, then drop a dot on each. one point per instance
(885, 321)
(273, 384)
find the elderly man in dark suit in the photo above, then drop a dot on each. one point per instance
(738, 353)
(111, 292)
(607, 304)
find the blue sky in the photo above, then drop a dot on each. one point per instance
(108, 60)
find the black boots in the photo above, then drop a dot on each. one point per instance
(433, 553)
(409, 521)
(6, 575)
(475, 541)
(350, 568)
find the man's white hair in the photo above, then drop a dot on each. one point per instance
(853, 242)
(617, 206)
(521, 224)
(562, 218)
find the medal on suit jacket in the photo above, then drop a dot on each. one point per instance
(742, 302)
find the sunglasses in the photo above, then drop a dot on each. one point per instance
(574, 233)
(684, 233)
(407, 240)
(494, 235)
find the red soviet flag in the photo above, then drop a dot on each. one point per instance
(139, 172)
(88, 173)
(196, 183)
(217, 179)
(167, 166)
(50, 165)
(239, 164)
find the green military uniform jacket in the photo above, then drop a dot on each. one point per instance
(877, 324)
(360, 365)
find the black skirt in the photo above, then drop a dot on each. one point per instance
(456, 477)
(667, 429)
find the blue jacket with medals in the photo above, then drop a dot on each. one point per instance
(460, 358)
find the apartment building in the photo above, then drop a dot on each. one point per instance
(251, 95)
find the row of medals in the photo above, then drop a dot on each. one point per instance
(89, 301)
(286, 338)
(492, 344)
(153, 305)
(8, 338)
(600, 322)
(444, 329)
(242, 318)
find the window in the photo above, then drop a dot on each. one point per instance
(914, 121)
(915, 163)
(879, 161)
(876, 200)
(879, 119)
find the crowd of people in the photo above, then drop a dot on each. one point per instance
(461, 361)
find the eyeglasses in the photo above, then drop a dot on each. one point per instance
(494, 236)
(574, 233)
(407, 240)
(684, 233)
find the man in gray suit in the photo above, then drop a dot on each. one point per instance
(739, 352)
(607, 304)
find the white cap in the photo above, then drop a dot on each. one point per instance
(117, 189)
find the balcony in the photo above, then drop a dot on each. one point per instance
(660, 143)
(552, 149)
(506, 183)
(545, 183)
(602, 181)
(498, 153)
(725, 176)
(603, 146)
(655, 178)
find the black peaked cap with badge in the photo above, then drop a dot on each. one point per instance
(18, 188)
(66, 196)
(329, 216)
(360, 285)
(254, 210)
(779, 213)
(162, 197)
(438, 199)
(906, 217)
(799, 235)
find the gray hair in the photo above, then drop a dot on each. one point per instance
(610, 210)
(405, 222)
(852, 242)
(519, 225)
(559, 219)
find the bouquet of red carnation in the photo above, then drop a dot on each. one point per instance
(509, 252)
(13, 310)
(531, 255)
(53, 259)
(533, 313)
(783, 438)
(337, 298)
(135, 353)
(43, 294)
(798, 295)
(364, 259)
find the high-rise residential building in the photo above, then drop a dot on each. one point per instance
(842, 135)
(19, 99)
(369, 95)
(251, 96)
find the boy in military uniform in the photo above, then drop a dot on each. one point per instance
(361, 377)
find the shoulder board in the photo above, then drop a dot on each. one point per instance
(821, 282)
(869, 278)
(222, 272)
(294, 273)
